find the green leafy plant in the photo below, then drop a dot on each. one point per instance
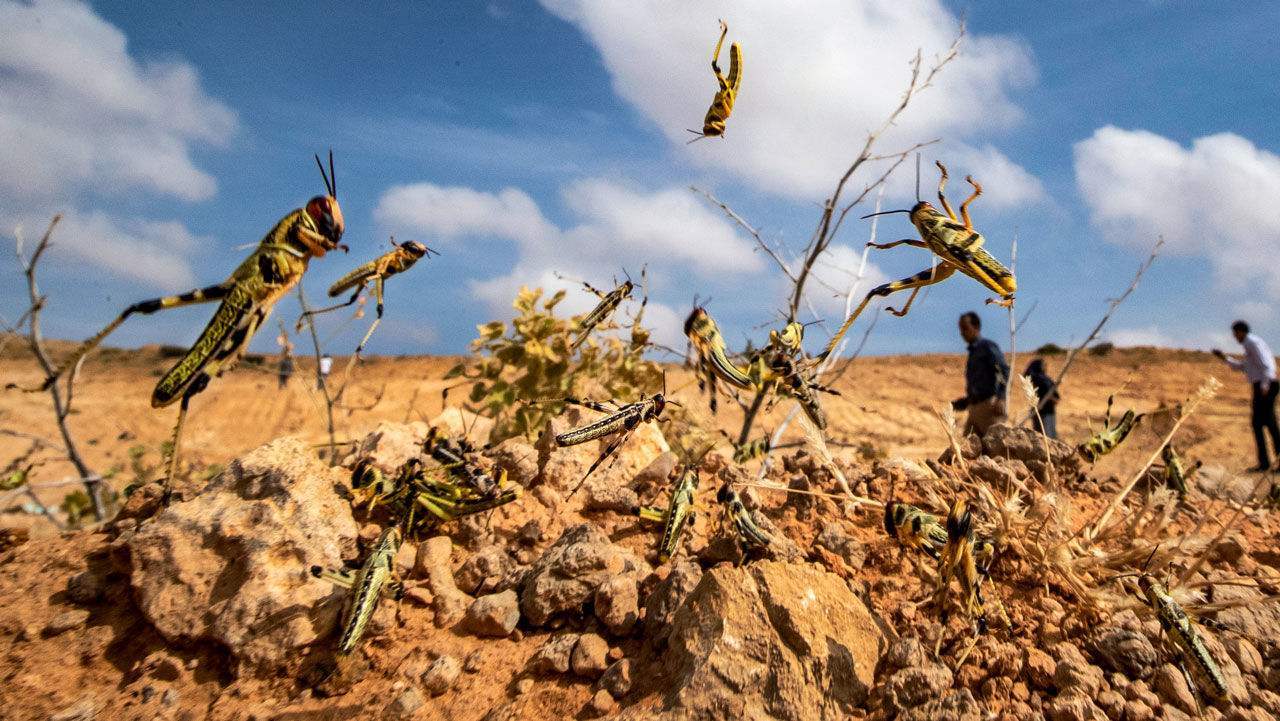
(532, 360)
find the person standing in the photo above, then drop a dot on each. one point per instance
(286, 368)
(1046, 421)
(326, 364)
(986, 374)
(1259, 366)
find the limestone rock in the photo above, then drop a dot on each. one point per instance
(461, 423)
(494, 615)
(590, 656)
(770, 640)
(484, 570)
(224, 565)
(433, 561)
(441, 675)
(390, 445)
(570, 572)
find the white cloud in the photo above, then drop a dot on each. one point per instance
(834, 273)
(1149, 335)
(815, 80)
(1213, 200)
(89, 116)
(150, 252)
(1005, 184)
(618, 227)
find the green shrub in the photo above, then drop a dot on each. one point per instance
(1102, 349)
(531, 360)
(1050, 349)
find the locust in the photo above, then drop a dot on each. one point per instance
(421, 497)
(399, 259)
(609, 303)
(722, 104)
(677, 515)
(969, 559)
(709, 349)
(1110, 437)
(958, 248)
(915, 528)
(1176, 474)
(453, 456)
(620, 422)
(749, 534)
(374, 578)
(1194, 658)
(245, 301)
(774, 368)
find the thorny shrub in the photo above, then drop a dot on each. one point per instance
(532, 360)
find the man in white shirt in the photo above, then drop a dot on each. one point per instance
(1259, 366)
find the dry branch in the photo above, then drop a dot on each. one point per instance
(1115, 303)
(61, 403)
(320, 379)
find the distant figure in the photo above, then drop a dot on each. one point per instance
(286, 367)
(326, 363)
(1259, 366)
(1047, 420)
(986, 374)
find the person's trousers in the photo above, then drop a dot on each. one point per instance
(1264, 421)
(1046, 423)
(983, 415)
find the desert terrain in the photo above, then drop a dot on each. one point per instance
(556, 606)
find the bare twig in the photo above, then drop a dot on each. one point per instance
(828, 222)
(1066, 365)
(733, 215)
(61, 403)
(320, 379)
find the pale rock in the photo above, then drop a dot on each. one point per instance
(215, 567)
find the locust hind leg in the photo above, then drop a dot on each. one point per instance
(176, 442)
(318, 311)
(609, 450)
(964, 207)
(355, 357)
(936, 274)
(715, 57)
(913, 242)
(942, 183)
(146, 307)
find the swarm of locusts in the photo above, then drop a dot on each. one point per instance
(447, 480)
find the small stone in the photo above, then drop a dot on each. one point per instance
(530, 533)
(406, 559)
(1246, 655)
(617, 678)
(524, 686)
(905, 652)
(615, 653)
(169, 697)
(66, 621)
(1172, 688)
(1127, 651)
(601, 704)
(484, 570)
(407, 703)
(473, 662)
(369, 533)
(83, 710)
(1138, 711)
(617, 604)
(554, 655)
(441, 675)
(420, 595)
(1039, 667)
(1074, 706)
(918, 685)
(590, 656)
(85, 588)
(548, 496)
(494, 615)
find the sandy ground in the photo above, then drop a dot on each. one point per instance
(888, 402)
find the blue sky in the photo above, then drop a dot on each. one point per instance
(523, 138)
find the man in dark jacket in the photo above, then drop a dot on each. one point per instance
(986, 374)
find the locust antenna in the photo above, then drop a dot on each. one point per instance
(328, 188)
(886, 212)
(333, 176)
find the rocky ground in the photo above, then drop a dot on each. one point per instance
(555, 606)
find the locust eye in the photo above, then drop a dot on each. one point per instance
(326, 213)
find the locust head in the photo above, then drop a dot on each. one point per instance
(414, 249)
(324, 210)
(894, 515)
